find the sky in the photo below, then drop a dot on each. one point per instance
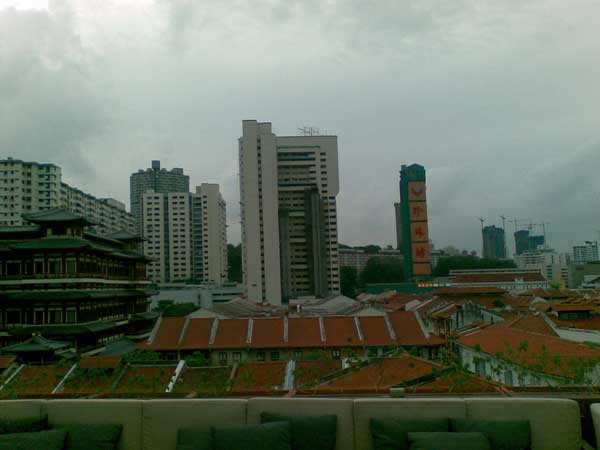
(498, 99)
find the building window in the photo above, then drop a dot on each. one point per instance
(260, 356)
(480, 367)
(274, 356)
(71, 316)
(297, 354)
(336, 354)
(508, 378)
(223, 357)
(237, 356)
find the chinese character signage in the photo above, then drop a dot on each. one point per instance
(416, 191)
(419, 231)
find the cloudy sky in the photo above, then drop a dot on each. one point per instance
(499, 99)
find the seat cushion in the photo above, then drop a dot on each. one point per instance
(392, 434)
(308, 432)
(46, 440)
(162, 419)
(399, 408)
(266, 436)
(193, 439)
(555, 423)
(128, 413)
(342, 408)
(23, 425)
(502, 434)
(93, 436)
(448, 441)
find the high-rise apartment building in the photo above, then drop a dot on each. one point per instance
(28, 187)
(185, 235)
(414, 222)
(553, 265)
(157, 180)
(209, 216)
(288, 189)
(585, 253)
(494, 243)
(525, 242)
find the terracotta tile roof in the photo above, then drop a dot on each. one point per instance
(145, 379)
(82, 382)
(6, 361)
(268, 333)
(408, 331)
(550, 293)
(310, 372)
(100, 362)
(593, 323)
(304, 332)
(473, 290)
(204, 380)
(538, 352)
(259, 376)
(341, 332)
(456, 383)
(533, 324)
(167, 336)
(36, 380)
(375, 331)
(197, 335)
(573, 307)
(232, 333)
(379, 376)
(527, 277)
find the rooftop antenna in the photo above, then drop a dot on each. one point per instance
(503, 217)
(309, 131)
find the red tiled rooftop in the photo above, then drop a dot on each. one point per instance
(341, 332)
(536, 351)
(375, 331)
(593, 323)
(6, 361)
(267, 333)
(533, 324)
(100, 362)
(232, 333)
(381, 375)
(304, 332)
(197, 335)
(408, 331)
(259, 376)
(574, 307)
(456, 383)
(167, 336)
(36, 380)
(145, 379)
(310, 372)
(82, 382)
(204, 380)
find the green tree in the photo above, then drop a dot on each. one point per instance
(382, 269)
(234, 260)
(445, 265)
(348, 281)
(168, 308)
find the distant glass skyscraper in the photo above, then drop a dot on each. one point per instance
(524, 242)
(494, 242)
(160, 181)
(413, 224)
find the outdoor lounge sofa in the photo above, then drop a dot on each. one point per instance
(153, 424)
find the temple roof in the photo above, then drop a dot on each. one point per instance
(35, 344)
(54, 216)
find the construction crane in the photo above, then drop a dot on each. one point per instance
(482, 220)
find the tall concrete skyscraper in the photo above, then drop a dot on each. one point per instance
(186, 235)
(398, 214)
(288, 189)
(414, 223)
(157, 180)
(494, 243)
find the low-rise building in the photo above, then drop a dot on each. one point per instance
(511, 280)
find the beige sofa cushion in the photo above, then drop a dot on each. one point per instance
(555, 423)
(163, 418)
(342, 408)
(21, 409)
(125, 412)
(365, 409)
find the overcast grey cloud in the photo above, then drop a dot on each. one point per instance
(499, 99)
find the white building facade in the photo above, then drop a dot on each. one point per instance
(554, 266)
(27, 187)
(585, 253)
(186, 235)
(288, 189)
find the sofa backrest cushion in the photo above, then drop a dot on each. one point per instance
(390, 408)
(127, 413)
(342, 408)
(163, 418)
(555, 423)
(21, 409)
